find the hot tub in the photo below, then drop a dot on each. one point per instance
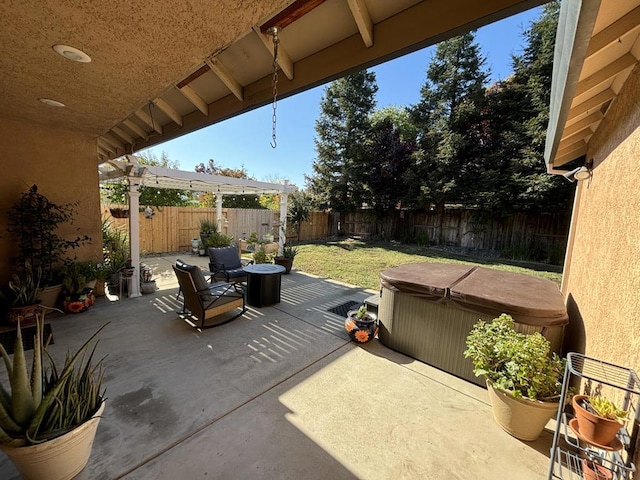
(427, 310)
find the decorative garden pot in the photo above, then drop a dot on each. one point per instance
(148, 287)
(26, 315)
(361, 331)
(78, 302)
(594, 471)
(523, 418)
(61, 458)
(49, 296)
(593, 428)
(287, 263)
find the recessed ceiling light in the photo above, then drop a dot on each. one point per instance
(52, 103)
(72, 53)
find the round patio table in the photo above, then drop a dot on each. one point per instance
(263, 284)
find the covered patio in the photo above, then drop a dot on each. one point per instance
(280, 392)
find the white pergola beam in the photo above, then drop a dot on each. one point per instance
(197, 101)
(226, 77)
(284, 60)
(146, 118)
(363, 20)
(168, 110)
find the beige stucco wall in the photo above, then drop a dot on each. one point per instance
(64, 166)
(602, 275)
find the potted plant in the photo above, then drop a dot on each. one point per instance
(289, 252)
(22, 297)
(51, 416)
(591, 470)
(598, 419)
(115, 251)
(34, 221)
(207, 227)
(147, 283)
(260, 255)
(77, 292)
(524, 379)
(361, 325)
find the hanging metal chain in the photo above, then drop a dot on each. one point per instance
(274, 84)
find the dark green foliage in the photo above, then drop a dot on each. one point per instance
(342, 131)
(450, 124)
(300, 205)
(34, 220)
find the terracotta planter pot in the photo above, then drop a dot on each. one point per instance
(594, 471)
(59, 459)
(520, 417)
(593, 428)
(26, 315)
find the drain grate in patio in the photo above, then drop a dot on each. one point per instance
(343, 308)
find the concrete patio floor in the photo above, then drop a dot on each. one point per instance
(279, 393)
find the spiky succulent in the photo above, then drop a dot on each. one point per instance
(48, 402)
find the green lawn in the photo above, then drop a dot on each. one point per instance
(360, 263)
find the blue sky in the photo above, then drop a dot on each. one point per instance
(245, 139)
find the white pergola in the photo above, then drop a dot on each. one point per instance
(139, 175)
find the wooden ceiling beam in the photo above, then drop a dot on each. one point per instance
(605, 73)
(123, 135)
(226, 77)
(105, 145)
(284, 60)
(146, 118)
(363, 20)
(586, 122)
(290, 14)
(197, 101)
(591, 103)
(567, 155)
(133, 126)
(614, 31)
(168, 110)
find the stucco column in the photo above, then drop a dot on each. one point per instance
(134, 235)
(282, 238)
(219, 211)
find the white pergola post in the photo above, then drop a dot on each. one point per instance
(282, 238)
(219, 211)
(134, 235)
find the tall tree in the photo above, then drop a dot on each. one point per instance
(117, 192)
(518, 113)
(389, 148)
(341, 133)
(449, 120)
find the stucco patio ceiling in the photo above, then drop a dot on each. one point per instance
(162, 69)
(597, 48)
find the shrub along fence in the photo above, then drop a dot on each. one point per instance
(171, 229)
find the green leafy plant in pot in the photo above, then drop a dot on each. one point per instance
(289, 252)
(524, 378)
(49, 419)
(77, 295)
(22, 295)
(597, 419)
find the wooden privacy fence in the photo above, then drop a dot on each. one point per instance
(171, 229)
(520, 235)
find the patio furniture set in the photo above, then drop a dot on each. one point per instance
(232, 284)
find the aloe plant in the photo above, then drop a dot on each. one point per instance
(48, 402)
(607, 409)
(24, 287)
